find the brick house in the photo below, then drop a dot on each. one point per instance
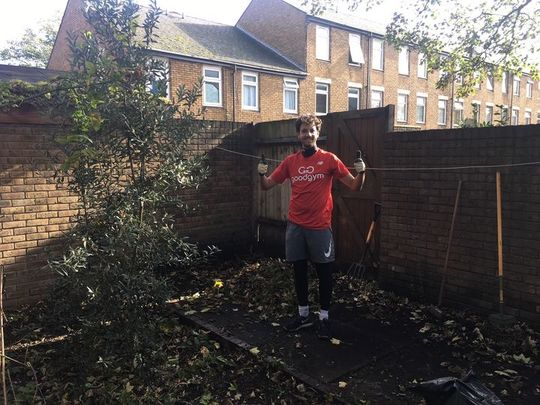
(279, 61)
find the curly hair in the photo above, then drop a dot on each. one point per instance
(309, 119)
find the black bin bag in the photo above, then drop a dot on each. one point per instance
(453, 391)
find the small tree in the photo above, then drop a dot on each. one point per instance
(34, 47)
(126, 160)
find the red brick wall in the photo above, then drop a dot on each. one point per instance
(270, 93)
(278, 25)
(72, 21)
(35, 211)
(417, 213)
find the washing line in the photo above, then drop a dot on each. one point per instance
(405, 169)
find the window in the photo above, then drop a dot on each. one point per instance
(529, 89)
(516, 86)
(422, 66)
(515, 117)
(489, 82)
(441, 113)
(504, 115)
(528, 118)
(476, 80)
(402, 106)
(321, 98)
(538, 117)
(476, 112)
(421, 102)
(212, 86)
(458, 113)
(354, 98)
(322, 43)
(378, 54)
(489, 114)
(504, 82)
(250, 91)
(290, 95)
(356, 56)
(403, 65)
(377, 98)
(158, 82)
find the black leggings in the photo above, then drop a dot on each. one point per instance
(324, 272)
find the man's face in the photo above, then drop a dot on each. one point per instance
(308, 135)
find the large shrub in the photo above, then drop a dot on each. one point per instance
(125, 158)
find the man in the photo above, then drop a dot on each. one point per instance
(309, 235)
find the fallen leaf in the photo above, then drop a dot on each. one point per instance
(335, 341)
(254, 350)
(187, 313)
(342, 384)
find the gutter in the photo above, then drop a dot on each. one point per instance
(276, 71)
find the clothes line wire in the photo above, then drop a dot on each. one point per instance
(406, 169)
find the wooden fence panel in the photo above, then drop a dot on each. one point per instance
(342, 133)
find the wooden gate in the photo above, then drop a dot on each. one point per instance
(346, 133)
(342, 133)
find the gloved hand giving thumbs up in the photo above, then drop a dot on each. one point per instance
(262, 167)
(359, 164)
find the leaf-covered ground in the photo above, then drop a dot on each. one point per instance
(196, 369)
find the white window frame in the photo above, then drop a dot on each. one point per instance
(250, 84)
(377, 53)
(529, 89)
(459, 105)
(528, 117)
(421, 96)
(356, 56)
(167, 77)
(422, 70)
(444, 101)
(326, 93)
(403, 61)
(212, 80)
(476, 77)
(538, 117)
(505, 118)
(490, 82)
(322, 43)
(489, 116)
(377, 90)
(514, 120)
(516, 89)
(504, 82)
(405, 110)
(350, 95)
(290, 85)
(477, 105)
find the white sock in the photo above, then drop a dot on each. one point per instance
(303, 311)
(323, 314)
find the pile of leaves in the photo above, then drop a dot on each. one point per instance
(194, 369)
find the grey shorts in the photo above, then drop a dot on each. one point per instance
(316, 245)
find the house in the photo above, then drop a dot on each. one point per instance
(279, 61)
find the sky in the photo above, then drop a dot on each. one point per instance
(17, 15)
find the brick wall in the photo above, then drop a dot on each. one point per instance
(278, 25)
(418, 208)
(35, 211)
(270, 93)
(73, 21)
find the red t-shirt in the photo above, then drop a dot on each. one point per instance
(311, 183)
